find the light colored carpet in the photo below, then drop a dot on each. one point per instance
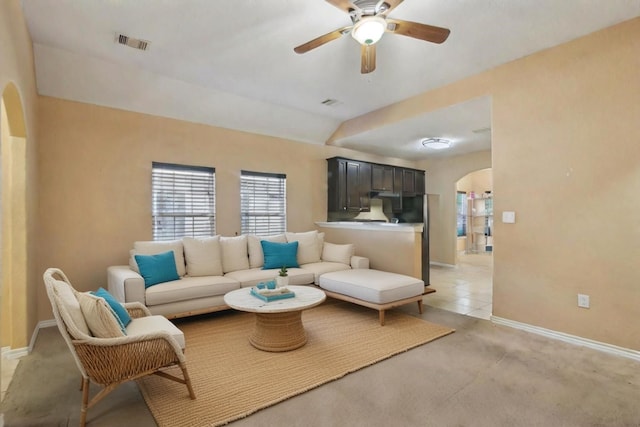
(232, 379)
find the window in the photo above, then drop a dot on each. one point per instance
(183, 201)
(461, 209)
(263, 200)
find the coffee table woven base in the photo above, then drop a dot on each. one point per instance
(278, 331)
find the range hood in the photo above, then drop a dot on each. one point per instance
(383, 194)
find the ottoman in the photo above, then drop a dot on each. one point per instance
(375, 289)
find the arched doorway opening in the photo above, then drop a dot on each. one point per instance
(13, 222)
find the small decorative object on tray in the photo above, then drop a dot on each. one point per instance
(267, 293)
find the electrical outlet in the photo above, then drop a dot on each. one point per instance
(583, 300)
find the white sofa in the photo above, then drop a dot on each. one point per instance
(211, 267)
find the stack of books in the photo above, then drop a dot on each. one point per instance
(267, 295)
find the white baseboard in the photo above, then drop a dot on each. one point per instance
(42, 324)
(16, 353)
(441, 264)
(572, 339)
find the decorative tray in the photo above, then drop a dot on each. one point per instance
(272, 294)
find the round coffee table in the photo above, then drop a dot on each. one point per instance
(278, 324)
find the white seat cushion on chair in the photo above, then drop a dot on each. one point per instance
(150, 324)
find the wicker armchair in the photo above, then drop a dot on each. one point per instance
(112, 361)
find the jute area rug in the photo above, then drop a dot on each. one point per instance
(232, 379)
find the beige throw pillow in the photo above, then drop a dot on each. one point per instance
(337, 253)
(154, 248)
(309, 246)
(203, 255)
(234, 253)
(256, 256)
(65, 297)
(101, 319)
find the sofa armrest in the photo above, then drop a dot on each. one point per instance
(359, 262)
(125, 284)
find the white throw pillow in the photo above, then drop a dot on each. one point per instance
(337, 253)
(154, 248)
(203, 255)
(309, 246)
(256, 256)
(66, 297)
(234, 253)
(101, 319)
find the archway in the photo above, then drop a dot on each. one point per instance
(13, 223)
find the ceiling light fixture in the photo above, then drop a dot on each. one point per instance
(369, 30)
(436, 143)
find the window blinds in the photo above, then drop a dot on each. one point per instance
(263, 199)
(183, 201)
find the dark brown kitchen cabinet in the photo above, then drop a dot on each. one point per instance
(408, 182)
(419, 186)
(349, 184)
(396, 202)
(381, 177)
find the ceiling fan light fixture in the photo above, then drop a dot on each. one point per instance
(369, 30)
(436, 143)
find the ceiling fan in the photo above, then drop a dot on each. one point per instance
(370, 22)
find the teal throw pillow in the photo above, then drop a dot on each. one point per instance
(157, 268)
(277, 255)
(121, 313)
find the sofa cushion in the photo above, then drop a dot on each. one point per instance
(309, 245)
(256, 256)
(203, 256)
(319, 268)
(102, 321)
(157, 268)
(234, 253)
(375, 286)
(337, 253)
(189, 288)
(277, 255)
(118, 309)
(150, 324)
(252, 277)
(152, 248)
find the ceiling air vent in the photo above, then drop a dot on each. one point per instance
(131, 42)
(329, 102)
(482, 130)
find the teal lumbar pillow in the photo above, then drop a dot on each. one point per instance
(121, 313)
(277, 255)
(157, 268)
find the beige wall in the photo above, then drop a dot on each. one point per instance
(442, 177)
(17, 82)
(95, 170)
(565, 150)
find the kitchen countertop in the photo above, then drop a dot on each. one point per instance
(414, 227)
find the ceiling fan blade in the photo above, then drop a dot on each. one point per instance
(368, 61)
(419, 31)
(344, 5)
(319, 41)
(391, 3)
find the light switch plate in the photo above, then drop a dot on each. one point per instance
(508, 217)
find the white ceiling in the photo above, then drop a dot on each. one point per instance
(231, 64)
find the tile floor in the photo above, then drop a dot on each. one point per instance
(466, 288)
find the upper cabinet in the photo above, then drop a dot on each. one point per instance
(381, 178)
(351, 182)
(420, 183)
(349, 185)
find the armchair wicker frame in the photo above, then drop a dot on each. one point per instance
(112, 361)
